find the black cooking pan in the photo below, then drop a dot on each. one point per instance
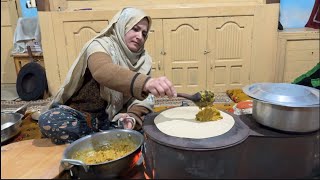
(31, 81)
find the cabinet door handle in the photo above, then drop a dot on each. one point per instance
(163, 53)
(159, 67)
(206, 52)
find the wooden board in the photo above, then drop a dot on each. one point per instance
(31, 159)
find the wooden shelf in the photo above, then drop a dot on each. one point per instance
(298, 52)
(22, 59)
(34, 54)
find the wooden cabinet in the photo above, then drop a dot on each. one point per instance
(185, 41)
(229, 52)
(77, 34)
(154, 46)
(298, 52)
(22, 59)
(63, 36)
(202, 53)
(9, 16)
(197, 48)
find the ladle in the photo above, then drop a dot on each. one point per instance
(201, 98)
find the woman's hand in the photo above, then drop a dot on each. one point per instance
(160, 87)
(125, 121)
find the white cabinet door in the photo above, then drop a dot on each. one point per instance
(154, 46)
(301, 56)
(229, 46)
(77, 34)
(184, 59)
(9, 17)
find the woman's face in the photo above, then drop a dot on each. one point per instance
(136, 36)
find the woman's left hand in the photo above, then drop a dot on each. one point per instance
(126, 121)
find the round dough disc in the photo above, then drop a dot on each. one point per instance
(181, 122)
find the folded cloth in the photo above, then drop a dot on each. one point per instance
(237, 95)
(28, 29)
(243, 107)
(310, 78)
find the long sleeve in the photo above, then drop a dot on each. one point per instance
(116, 77)
(138, 112)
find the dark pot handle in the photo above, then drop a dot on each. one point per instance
(68, 163)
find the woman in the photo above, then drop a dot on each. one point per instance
(108, 83)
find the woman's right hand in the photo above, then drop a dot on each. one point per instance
(160, 87)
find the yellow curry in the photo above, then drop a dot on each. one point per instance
(113, 151)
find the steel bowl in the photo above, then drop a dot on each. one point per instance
(110, 169)
(10, 125)
(290, 119)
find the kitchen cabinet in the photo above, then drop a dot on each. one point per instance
(9, 17)
(203, 53)
(215, 46)
(77, 34)
(298, 52)
(185, 41)
(154, 46)
(22, 59)
(229, 52)
(63, 36)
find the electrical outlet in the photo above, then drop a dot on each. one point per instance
(28, 4)
(31, 4)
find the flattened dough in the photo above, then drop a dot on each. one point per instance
(181, 122)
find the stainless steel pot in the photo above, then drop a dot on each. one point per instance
(10, 125)
(285, 94)
(291, 119)
(110, 169)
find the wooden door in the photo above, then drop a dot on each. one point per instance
(184, 57)
(9, 17)
(300, 57)
(77, 34)
(229, 47)
(63, 35)
(154, 46)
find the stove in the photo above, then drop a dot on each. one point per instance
(248, 150)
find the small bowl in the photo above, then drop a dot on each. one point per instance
(35, 115)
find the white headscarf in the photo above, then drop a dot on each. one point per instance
(110, 41)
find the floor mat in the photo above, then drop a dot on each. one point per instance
(8, 92)
(162, 101)
(33, 105)
(219, 98)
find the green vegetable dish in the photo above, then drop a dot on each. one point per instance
(207, 98)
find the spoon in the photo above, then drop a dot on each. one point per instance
(201, 98)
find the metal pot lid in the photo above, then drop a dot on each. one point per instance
(285, 94)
